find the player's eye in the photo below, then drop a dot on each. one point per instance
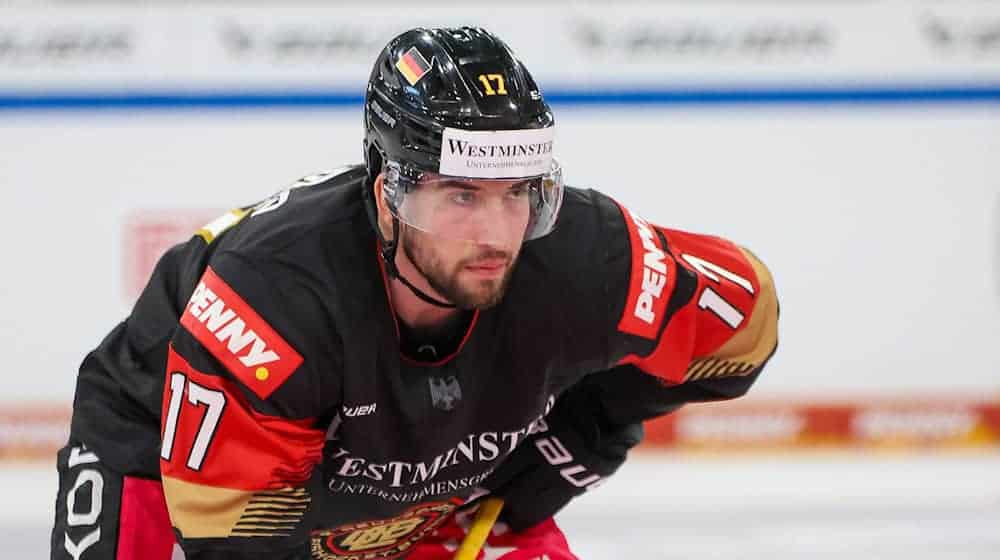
(463, 197)
(518, 191)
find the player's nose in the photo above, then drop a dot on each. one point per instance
(493, 226)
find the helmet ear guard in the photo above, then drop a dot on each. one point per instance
(395, 185)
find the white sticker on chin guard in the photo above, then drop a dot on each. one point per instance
(496, 154)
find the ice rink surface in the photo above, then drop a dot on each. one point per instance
(843, 506)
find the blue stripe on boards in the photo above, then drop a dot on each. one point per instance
(873, 95)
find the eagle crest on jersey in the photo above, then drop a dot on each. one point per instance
(445, 392)
(238, 337)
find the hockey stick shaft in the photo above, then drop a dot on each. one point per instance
(487, 515)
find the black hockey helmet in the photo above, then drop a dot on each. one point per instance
(461, 89)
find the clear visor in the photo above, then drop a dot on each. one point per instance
(501, 212)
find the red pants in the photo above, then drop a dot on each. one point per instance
(543, 541)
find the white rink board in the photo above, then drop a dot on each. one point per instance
(880, 224)
(274, 46)
(840, 507)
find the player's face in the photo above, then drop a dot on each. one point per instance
(471, 240)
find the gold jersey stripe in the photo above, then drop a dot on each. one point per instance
(212, 229)
(698, 366)
(263, 508)
(748, 348)
(704, 369)
(274, 526)
(280, 502)
(200, 511)
(284, 490)
(277, 520)
(282, 496)
(277, 531)
(257, 525)
(272, 516)
(283, 493)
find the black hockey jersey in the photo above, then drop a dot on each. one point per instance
(260, 371)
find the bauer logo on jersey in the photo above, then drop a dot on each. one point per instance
(651, 280)
(238, 337)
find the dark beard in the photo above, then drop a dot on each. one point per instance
(448, 284)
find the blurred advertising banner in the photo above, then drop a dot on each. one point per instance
(272, 48)
(918, 423)
(147, 234)
(35, 432)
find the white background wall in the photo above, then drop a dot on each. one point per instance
(881, 222)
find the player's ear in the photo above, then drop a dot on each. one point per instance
(384, 216)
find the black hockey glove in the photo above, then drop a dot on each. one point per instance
(574, 450)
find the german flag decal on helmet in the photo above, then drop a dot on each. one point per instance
(413, 66)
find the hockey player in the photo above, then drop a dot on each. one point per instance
(335, 372)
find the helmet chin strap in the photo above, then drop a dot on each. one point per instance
(388, 253)
(389, 256)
